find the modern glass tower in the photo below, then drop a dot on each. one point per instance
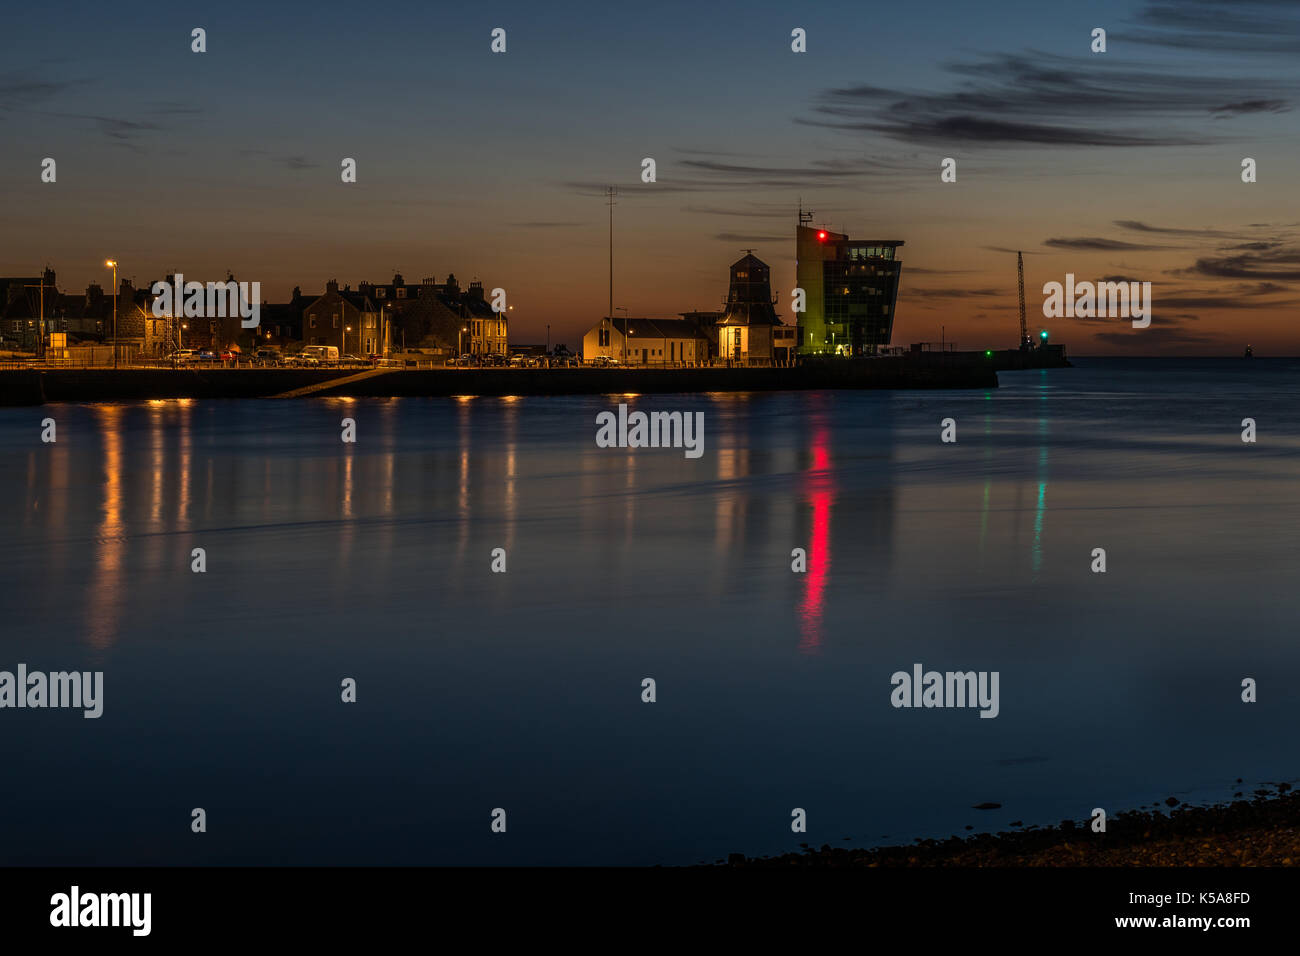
(851, 287)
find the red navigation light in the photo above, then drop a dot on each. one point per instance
(821, 237)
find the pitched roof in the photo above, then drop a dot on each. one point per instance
(658, 328)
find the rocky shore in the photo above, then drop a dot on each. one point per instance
(1263, 831)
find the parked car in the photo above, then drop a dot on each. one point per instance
(518, 361)
(267, 357)
(184, 357)
(354, 360)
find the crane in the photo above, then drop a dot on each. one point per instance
(1020, 277)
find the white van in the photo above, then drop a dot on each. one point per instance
(322, 354)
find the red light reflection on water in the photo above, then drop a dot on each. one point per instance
(819, 492)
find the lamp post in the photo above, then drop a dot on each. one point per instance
(113, 264)
(460, 341)
(346, 330)
(40, 322)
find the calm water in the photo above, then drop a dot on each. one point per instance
(522, 690)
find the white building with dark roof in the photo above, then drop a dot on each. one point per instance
(663, 342)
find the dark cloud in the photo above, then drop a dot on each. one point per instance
(816, 170)
(1194, 301)
(299, 162)
(737, 237)
(1136, 226)
(1246, 26)
(1257, 246)
(706, 152)
(1276, 263)
(954, 293)
(1039, 99)
(1155, 338)
(19, 91)
(639, 190)
(1101, 245)
(749, 212)
(114, 127)
(1251, 106)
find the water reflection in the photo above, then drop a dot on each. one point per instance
(105, 592)
(1040, 508)
(819, 493)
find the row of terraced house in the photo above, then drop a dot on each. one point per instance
(436, 318)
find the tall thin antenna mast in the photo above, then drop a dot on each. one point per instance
(1020, 281)
(610, 193)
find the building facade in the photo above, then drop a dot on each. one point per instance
(851, 290)
(489, 331)
(663, 342)
(346, 319)
(441, 317)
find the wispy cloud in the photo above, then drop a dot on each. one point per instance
(752, 211)
(956, 293)
(20, 90)
(1275, 263)
(1098, 244)
(740, 237)
(1255, 27)
(1040, 99)
(1136, 226)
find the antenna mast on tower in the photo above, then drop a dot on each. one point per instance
(1020, 278)
(610, 193)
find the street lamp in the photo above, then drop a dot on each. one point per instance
(113, 264)
(346, 330)
(384, 327)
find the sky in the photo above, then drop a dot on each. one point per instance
(1125, 163)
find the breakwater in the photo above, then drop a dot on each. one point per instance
(39, 386)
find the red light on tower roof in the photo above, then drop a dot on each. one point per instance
(821, 237)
